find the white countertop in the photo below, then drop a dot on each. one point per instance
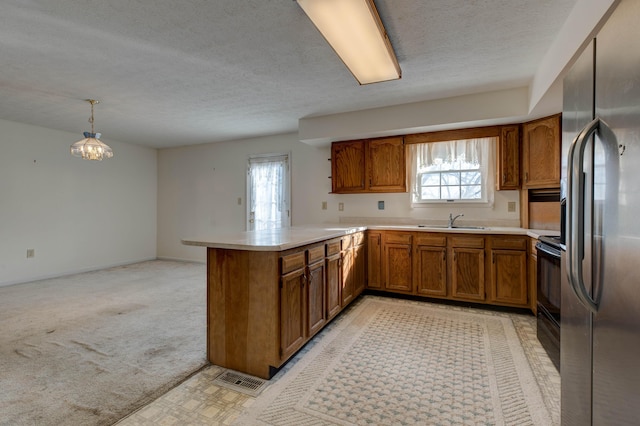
(287, 238)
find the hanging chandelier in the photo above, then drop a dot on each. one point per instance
(91, 147)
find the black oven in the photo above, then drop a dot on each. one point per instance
(548, 295)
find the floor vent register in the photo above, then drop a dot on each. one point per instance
(242, 383)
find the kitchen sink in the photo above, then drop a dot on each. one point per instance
(453, 227)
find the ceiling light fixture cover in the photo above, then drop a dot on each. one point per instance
(355, 31)
(91, 147)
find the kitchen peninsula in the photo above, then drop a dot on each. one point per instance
(269, 292)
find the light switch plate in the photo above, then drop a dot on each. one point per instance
(380, 205)
(341, 206)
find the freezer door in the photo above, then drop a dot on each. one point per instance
(616, 325)
(575, 328)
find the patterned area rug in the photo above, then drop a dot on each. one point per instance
(397, 362)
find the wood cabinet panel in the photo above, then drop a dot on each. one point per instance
(386, 165)
(292, 315)
(508, 158)
(541, 150)
(316, 297)
(533, 276)
(509, 276)
(398, 270)
(348, 166)
(359, 269)
(347, 290)
(371, 165)
(291, 262)
(431, 270)
(374, 260)
(334, 285)
(315, 254)
(333, 247)
(467, 274)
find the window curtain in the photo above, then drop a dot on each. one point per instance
(454, 155)
(268, 204)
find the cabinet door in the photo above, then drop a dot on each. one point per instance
(508, 158)
(316, 302)
(374, 260)
(397, 263)
(334, 284)
(467, 273)
(533, 277)
(431, 271)
(292, 315)
(386, 165)
(359, 269)
(348, 166)
(347, 276)
(541, 153)
(509, 276)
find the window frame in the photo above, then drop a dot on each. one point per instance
(487, 181)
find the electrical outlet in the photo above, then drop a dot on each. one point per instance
(31, 253)
(324, 205)
(341, 207)
(239, 201)
(511, 206)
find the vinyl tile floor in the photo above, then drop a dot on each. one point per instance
(198, 401)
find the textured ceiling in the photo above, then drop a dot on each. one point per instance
(172, 73)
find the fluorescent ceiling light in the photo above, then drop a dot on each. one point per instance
(354, 29)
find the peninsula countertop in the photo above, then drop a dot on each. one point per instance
(288, 238)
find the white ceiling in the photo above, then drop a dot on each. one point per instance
(171, 73)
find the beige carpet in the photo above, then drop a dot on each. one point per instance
(398, 362)
(88, 349)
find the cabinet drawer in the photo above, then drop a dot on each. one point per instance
(431, 240)
(292, 262)
(509, 243)
(397, 238)
(333, 247)
(358, 238)
(315, 254)
(469, 242)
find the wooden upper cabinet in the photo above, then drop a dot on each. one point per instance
(386, 165)
(348, 166)
(541, 148)
(372, 165)
(508, 158)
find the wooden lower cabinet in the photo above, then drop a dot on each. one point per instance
(334, 284)
(292, 312)
(316, 297)
(431, 266)
(359, 268)
(374, 260)
(348, 280)
(533, 276)
(467, 274)
(509, 278)
(398, 271)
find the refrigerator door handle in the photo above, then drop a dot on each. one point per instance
(575, 214)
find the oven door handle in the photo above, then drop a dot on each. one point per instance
(575, 214)
(548, 250)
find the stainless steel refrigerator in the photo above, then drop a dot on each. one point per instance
(600, 309)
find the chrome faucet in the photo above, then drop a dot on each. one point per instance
(452, 219)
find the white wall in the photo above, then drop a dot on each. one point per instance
(199, 186)
(77, 215)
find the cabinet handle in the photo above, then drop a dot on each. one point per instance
(504, 177)
(493, 257)
(526, 177)
(444, 256)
